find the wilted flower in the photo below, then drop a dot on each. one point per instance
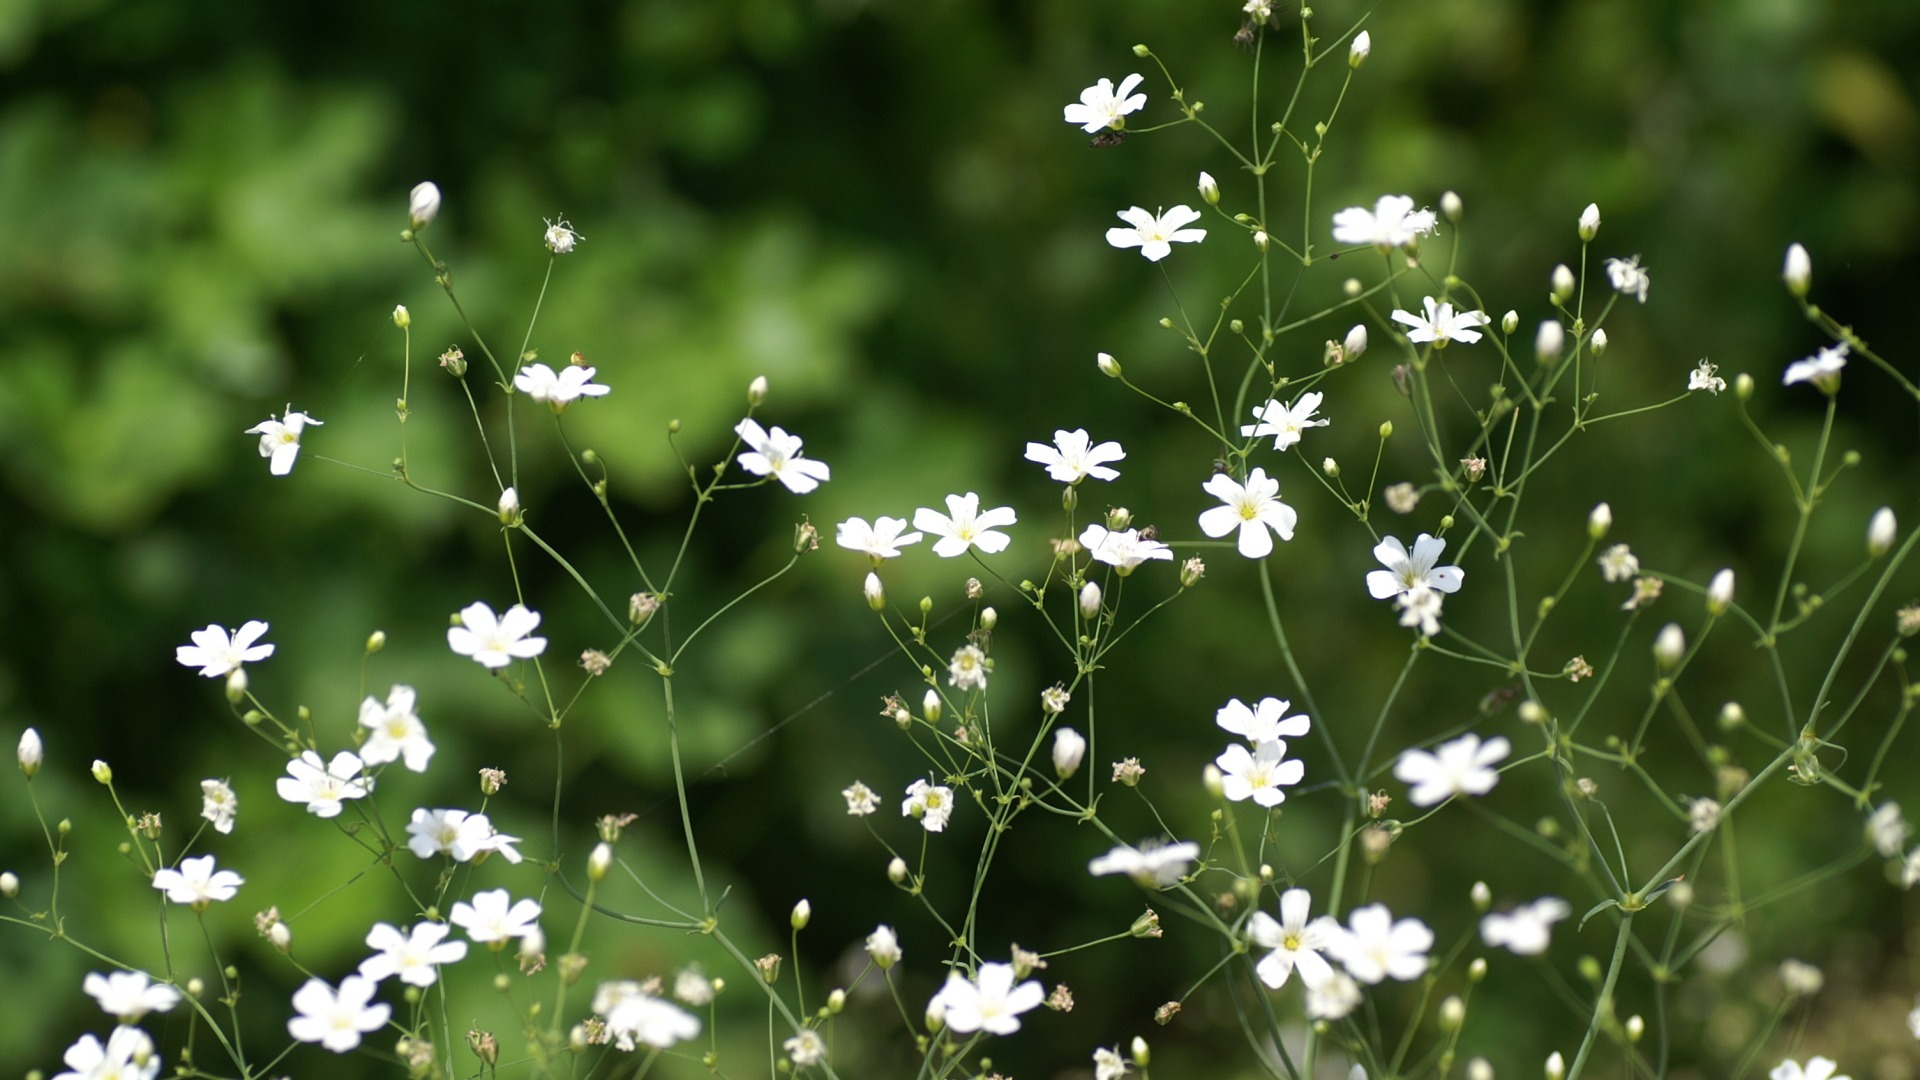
(218, 804)
(1628, 278)
(931, 804)
(560, 237)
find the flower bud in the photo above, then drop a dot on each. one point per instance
(1599, 520)
(1069, 747)
(9, 885)
(600, 861)
(1209, 189)
(1510, 321)
(1450, 205)
(1479, 1069)
(1549, 342)
(1453, 1013)
(1720, 593)
(1557, 1065)
(1356, 342)
(1142, 51)
(930, 706)
(281, 936)
(1119, 518)
(1213, 781)
(1798, 271)
(509, 507)
(1481, 895)
(401, 317)
(1880, 532)
(1107, 364)
(237, 685)
(1636, 1027)
(1598, 343)
(1330, 467)
(836, 1001)
(1191, 572)
(896, 870)
(1357, 52)
(1562, 283)
(876, 593)
(757, 392)
(1477, 970)
(423, 204)
(802, 914)
(989, 618)
(1590, 221)
(31, 753)
(1669, 645)
(102, 771)
(1090, 601)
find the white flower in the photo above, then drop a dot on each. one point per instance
(1703, 815)
(1107, 1062)
(1913, 1018)
(1524, 930)
(806, 1048)
(634, 1016)
(1123, 550)
(1287, 423)
(1073, 456)
(1822, 369)
(884, 947)
(458, 834)
(777, 454)
(395, 731)
(1818, 1068)
(968, 668)
(1461, 767)
(1618, 563)
(881, 540)
(492, 919)
(1882, 528)
(1375, 947)
(218, 804)
(861, 799)
(1253, 509)
(1333, 999)
(1069, 747)
(560, 236)
(1358, 52)
(1442, 324)
(964, 526)
(932, 805)
(127, 1055)
(1887, 829)
(1355, 343)
(1297, 944)
(129, 995)
(1265, 722)
(280, 439)
(1392, 223)
(496, 642)
(989, 1002)
(323, 786)
(692, 986)
(1910, 873)
(1420, 609)
(196, 882)
(1405, 572)
(423, 204)
(1258, 774)
(414, 955)
(1102, 105)
(31, 753)
(1702, 377)
(1628, 278)
(336, 1020)
(216, 654)
(1150, 865)
(559, 389)
(1156, 235)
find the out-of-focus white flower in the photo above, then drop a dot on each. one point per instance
(1800, 979)
(1441, 323)
(1703, 815)
(494, 919)
(216, 654)
(1887, 830)
(1392, 223)
(989, 1002)
(1266, 721)
(1818, 1068)
(1332, 999)
(218, 805)
(930, 803)
(1069, 748)
(458, 835)
(1618, 563)
(1822, 369)
(635, 1017)
(413, 955)
(495, 642)
(1702, 377)
(692, 986)
(129, 995)
(127, 1055)
(1107, 1062)
(1420, 609)
(1526, 930)
(1629, 278)
(806, 1048)
(1881, 531)
(1102, 105)
(1124, 550)
(1463, 766)
(1288, 423)
(1797, 272)
(1150, 865)
(1375, 947)
(861, 799)
(280, 439)
(395, 731)
(884, 947)
(1550, 341)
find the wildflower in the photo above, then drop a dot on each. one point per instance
(777, 454)
(1209, 189)
(1597, 343)
(806, 1048)
(1703, 815)
(1123, 550)
(458, 835)
(1797, 272)
(1253, 509)
(1887, 829)
(1054, 699)
(1073, 457)
(1128, 772)
(1357, 54)
(1441, 324)
(323, 787)
(1297, 944)
(414, 955)
(1702, 377)
(1822, 369)
(989, 1001)
(1800, 979)
(881, 540)
(1286, 423)
(1069, 747)
(395, 731)
(1107, 1062)
(1392, 223)
(1818, 1068)
(1406, 572)
(861, 799)
(1618, 563)
(218, 805)
(1669, 645)
(196, 882)
(1375, 947)
(129, 995)
(423, 204)
(933, 805)
(127, 1055)
(1258, 774)
(965, 526)
(1267, 721)
(560, 237)
(280, 439)
(1578, 669)
(1524, 930)
(1549, 341)
(1910, 873)
(496, 642)
(1401, 498)
(216, 654)
(884, 947)
(1103, 106)
(1420, 609)
(492, 920)
(693, 987)
(1628, 278)
(1332, 999)
(557, 390)
(634, 1016)
(31, 752)
(1149, 865)
(1355, 343)
(1461, 767)
(1881, 530)
(1645, 591)
(1156, 235)
(968, 668)
(1590, 221)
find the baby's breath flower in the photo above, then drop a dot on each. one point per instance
(1053, 700)
(1887, 829)
(861, 799)
(1102, 105)
(1151, 865)
(1645, 591)
(1442, 324)
(777, 454)
(1618, 563)
(968, 668)
(560, 237)
(280, 439)
(423, 204)
(1590, 221)
(1401, 498)
(1822, 369)
(216, 654)
(1286, 423)
(1155, 234)
(1463, 766)
(1069, 747)
(1128, 772)
(931, 804)
(1799, 978)
(1797, 272)
(884, 947)
(1549, 341)
(1703, 815)
(1392, 223)
(1702, 377)
(218, 804)
(31, 752)
(965, 526)
(1525, 930)
(1254, 509)
(1578, 669)
(1628, 278)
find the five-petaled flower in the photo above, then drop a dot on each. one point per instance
(1254, 508)
(216, 654)
(1258, 774)
(1392, 223)
(1265, 722)
(493, 641)
(127, 1055)
(1123, 550)
(988, 1002)
(1102, 105)
(458, 835)
(196, 882)
(1461, 767)
(634, 1016)
(280, 439)
(218, 805)
(1822, 369)
(1525, 930)
(1629, 278)
(932, 804)
(395, 731)
(1818, 1068)
(323, 787)
(777, 454)
(965, 525)
(1442, 324)
(1286, 423)
(1297, 943)
(494, 919)
(129, 995)
(1073, 456)
(881, 540)
(1150, 865)
(1375, 947)
(1405, 572)
(559, 389)
(337, 1020)
(1155, 234)
(413, 955)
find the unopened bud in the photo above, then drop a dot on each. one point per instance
(1510, 321)
(1880, 532)
(509, 507)
(600, 861)
(1732, 716)
(1599, 520)
(1357, 54)
(1356, 342)
(1669, 645)
(1213, 781)
(930, 706)
(876, 592)
(9, 885)
(1481, 895)
(1561, 283)
(1069, 749)
(1597, 344)
(1209, 190)
(1557, 1065)
(1477, 970)
(1798, 271)
(1479, 1069)
(1330, 467)
(31, 753)
(896, 870)
(1108, 365)
(423, 204)
(102, 771)
(757, 392)
(1090, 601)
(802, 914)
(1590, 221)
(1636, 1027)
(1260, 239)
(1386, 429)
(1549, 342)
(1453, 1013)
(1450, 206)
(401, 317)
(836, 1001)
(1720, 593)
(989, 618)
(281, 936)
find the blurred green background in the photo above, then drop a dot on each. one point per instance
(876, 205)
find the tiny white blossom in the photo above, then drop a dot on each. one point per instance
(1155, 234)
(1618, 563)
(1334, 998)
(1375, 947)
(1258, 774)
(1392, 223)
(336, 1020)
(280, 439)
(988, 1002)
(196, 882)
(861, 799)
(1253, 509)
(932, 804)
(1420, 609)
(493, 919)
(1107, 1062)
(1628, 277)
(777, 454)
(458, 835)
(414, 955)
(129, 995)
(1442, 324)
(1150, 865)
(1702, 377)
(395, 731)
(1525, 930)
(323, 786)
(495, 642)
(965, 526)
(1887, 829)
(881, 540)
(1123, 550)
(557, 390)
(968, 668)
(1703, 815)
(216, 654)
(1822, 369)
(1074, 456)
(128, 1054)
(1463, 766)
(1405, 572)
(806, 1048)
(1818, 1068)
(1296, 942)
(1265, 722)
(692, 986)
(218, 805)
(1288, 423)
(884, 946)
(1102, 105)
(560, 237)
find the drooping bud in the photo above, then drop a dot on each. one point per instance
(1069, 747)
(1107, 364)
(876, 592)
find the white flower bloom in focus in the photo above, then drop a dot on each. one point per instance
(1822, 369)
(413, 955)
(1102, 105)
(492, 919)
(560, 236)
(1073, 456)
(218, 805)
(395, 731)
(1107, 1062)
(884, 947)
(458, 834)
(1702, 377)
(1297, 943)
(1123, 550)
(1525, 930)
(1375, 947)
(1442, 324)
(1392, 223)
(1155, 235)
(989, 1002)
(931, 804)
(216, 654)
(1288, 423)
(806, 1048)
(964, 526)
(127, 1055)
(323, 786)
(861, 799)
(129, 995)
(1265, 722)
(196, 882)
(777, 454)
(881, 540)
(280, 439)
(1461, 767)
(1818, 1068)
(968, 668)
(1887, 829)
(496, 642)
(336, 1020)
(1405, 572)
(557, 390)
(1258, 774)
(1151, 866)
(1253, 509)
(1629, 278)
